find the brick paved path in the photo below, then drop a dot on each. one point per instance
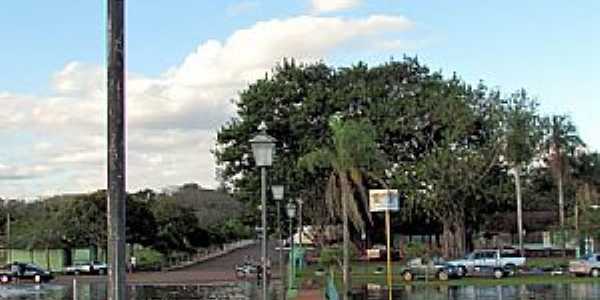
(217, 270)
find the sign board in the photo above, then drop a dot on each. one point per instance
(383, 200)
(373, 253)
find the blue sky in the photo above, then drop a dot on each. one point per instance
(51, 69)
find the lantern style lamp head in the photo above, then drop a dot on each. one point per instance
(263, 146)
(277, 191)
(291, 209)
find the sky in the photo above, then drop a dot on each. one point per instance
(187, 59)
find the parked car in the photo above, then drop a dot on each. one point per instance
(499, 262)
(24, 271)
(436, 268)
(87, 267)
(588, 265)
(250, 269)
(379, 253)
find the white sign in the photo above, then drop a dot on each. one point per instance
(382, 200)
(373, 253)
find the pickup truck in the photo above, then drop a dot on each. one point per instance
(501, 263)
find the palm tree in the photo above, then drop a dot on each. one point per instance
(586, 173)
(350, 160)
(561, 142)
(523, 136)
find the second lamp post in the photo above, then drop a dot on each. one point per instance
(263, 146)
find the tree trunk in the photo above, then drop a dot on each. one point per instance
(346, 239)
(519, 210)
(453, 237)
(561, 216)
(48, 259)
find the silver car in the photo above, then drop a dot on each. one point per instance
(87, 267)
(588, 265)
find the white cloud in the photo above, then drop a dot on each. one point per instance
(172, 118)
(9, 173)
(325, 6)
(242, 7)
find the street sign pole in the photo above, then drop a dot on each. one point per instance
(385, 201)
(389, 254)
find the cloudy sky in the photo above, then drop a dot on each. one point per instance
(187, 59)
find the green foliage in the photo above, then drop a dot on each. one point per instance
(332, 256)
(415, 250)
(445, 143)
(523, 129)
(354, 155)
(167, 222)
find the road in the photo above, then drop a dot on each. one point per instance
(216, 270)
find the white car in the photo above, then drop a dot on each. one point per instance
(588, 265)
(87, 267)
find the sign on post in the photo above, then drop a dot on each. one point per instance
(383, 200)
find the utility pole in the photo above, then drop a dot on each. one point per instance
(116, 150)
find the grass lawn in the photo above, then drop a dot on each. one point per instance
(362, 274)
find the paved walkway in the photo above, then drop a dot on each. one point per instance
(216, 270)
(312, 294)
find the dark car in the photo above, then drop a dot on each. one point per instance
(24, 271)
(434, 269)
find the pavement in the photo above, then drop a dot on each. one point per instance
(217, 270)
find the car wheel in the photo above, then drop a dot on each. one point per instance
(461, 271)
(510, 269)
(595, 273)
(76, 272)
(37, 279)
(240, 274)
(5, 279)
(498, 273)
(407, 276)
(442, 276)
(101, 271)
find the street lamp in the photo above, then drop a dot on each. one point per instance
(291, 213)
(263, 146)
(278, 191)
(301, 225)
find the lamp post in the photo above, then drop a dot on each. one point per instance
(301, 226)
(291, 213)
(278, 191)
(263, 146)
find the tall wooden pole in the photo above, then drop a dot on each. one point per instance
(116, 150)
(389, 253)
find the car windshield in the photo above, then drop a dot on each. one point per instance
(32, 266)
(586, 257)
